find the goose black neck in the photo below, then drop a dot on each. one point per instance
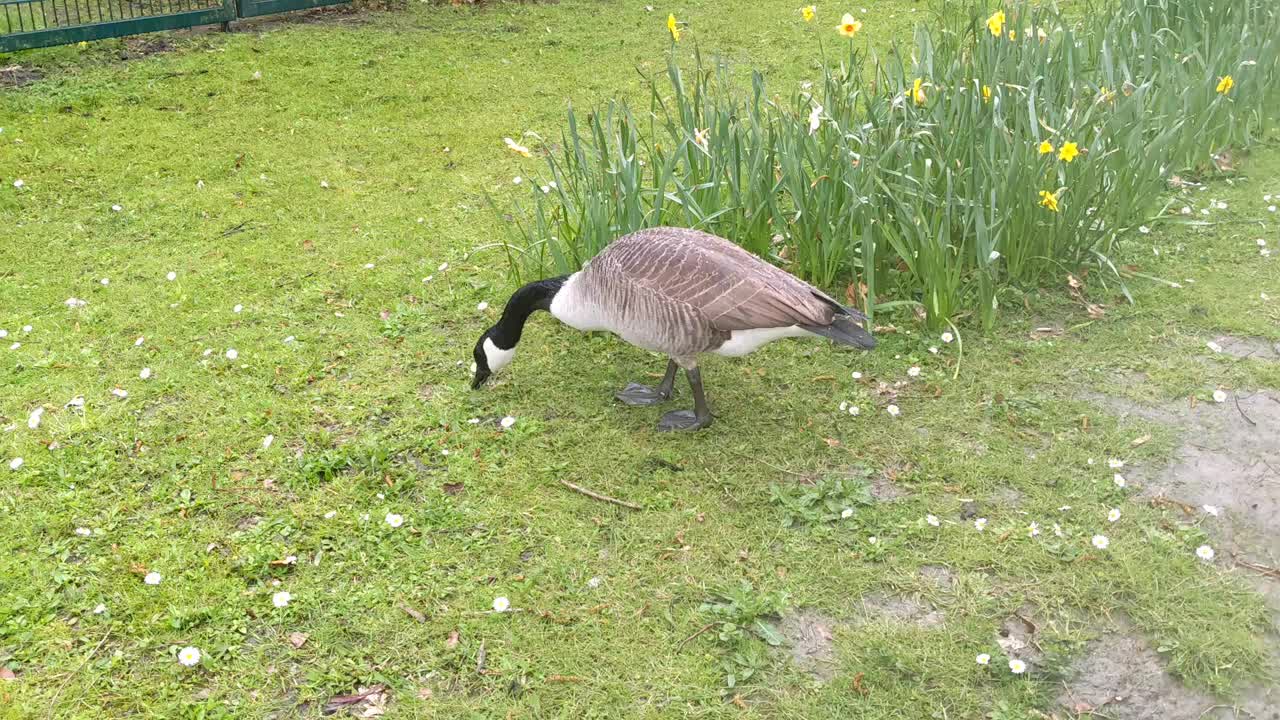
(534, 296)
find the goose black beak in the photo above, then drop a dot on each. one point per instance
(479, 380)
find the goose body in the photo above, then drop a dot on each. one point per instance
(681, 293)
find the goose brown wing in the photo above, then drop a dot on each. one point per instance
(729, 287)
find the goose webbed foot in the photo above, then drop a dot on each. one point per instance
(635, 394)
(682, 420)
(695, 419)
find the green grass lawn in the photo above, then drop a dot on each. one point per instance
(307, 184)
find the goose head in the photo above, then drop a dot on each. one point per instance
(489, 357)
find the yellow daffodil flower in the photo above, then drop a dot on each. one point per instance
(1225, 83)
(1049, 200)
(848, 26)
(1068, 152)
(917, 92)
(1013, 35)
(673, 27)
(516, 147)
(986, 93)
(807, 12)
(1046, 147)
(700, 137)
(995, 23)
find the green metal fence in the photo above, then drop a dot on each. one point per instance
(28, 24)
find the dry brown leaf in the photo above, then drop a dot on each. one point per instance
(1143, 440)
(297, 639)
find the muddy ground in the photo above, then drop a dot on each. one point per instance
(1227, 458)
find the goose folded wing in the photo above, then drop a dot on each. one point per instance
(728, 286)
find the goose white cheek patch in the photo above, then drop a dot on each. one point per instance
(496, 356)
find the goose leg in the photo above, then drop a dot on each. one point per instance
(695, 419)
(637, 394)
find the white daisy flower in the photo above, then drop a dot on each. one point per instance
(15, 346)
(594, 583)
(1204, 552)
(853, 410)
(1261, 242)
(507, 422)
(1033, 529)
(1119, 480)
(83, 531)
(237, 308)
(1212, 510)
(815, 119)
(1115, 463)
(1101, 542)
(141, 339)
(232, 354)
(281, 599)
(1214, 346)
(16, 463)
(330, 515)
(120, 393)
(948, 337)
(75, 302)
(893, 410)
(33, 420)
(19, 183)
(482, 306)
(932, 520)
(443, 266)
(1144, 229)
(517, 180)
(980, 524)
(99, 609)
(369, 266)
(171, 276)
(501, 604)
(152, 578)
(933, 349)
(914, 371)
(189, 656)
(394, 520)
(266, 441)
(1114, 515)
(27, 328)
(1057, 530)
(145, 374)
(983, 659)
(1186, 210)
(873, 540)
(994, 256)
(1219, 396)
(846, 513)
(290, 339)
(1017, 667)
(105, 281)
(856, 375)
(844, 405)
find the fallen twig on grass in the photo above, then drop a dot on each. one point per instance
(598, 496)
(701, 630)
(1263, 569)
(53, 704)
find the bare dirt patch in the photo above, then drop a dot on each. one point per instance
(1249, 347)
(1017, 637)
(1229, 458)
(1120, 676)
(810, 637)
(16, 76)
(902, 610)
(938, 576)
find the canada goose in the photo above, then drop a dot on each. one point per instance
(681, 293)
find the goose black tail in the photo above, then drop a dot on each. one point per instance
(846, 330)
